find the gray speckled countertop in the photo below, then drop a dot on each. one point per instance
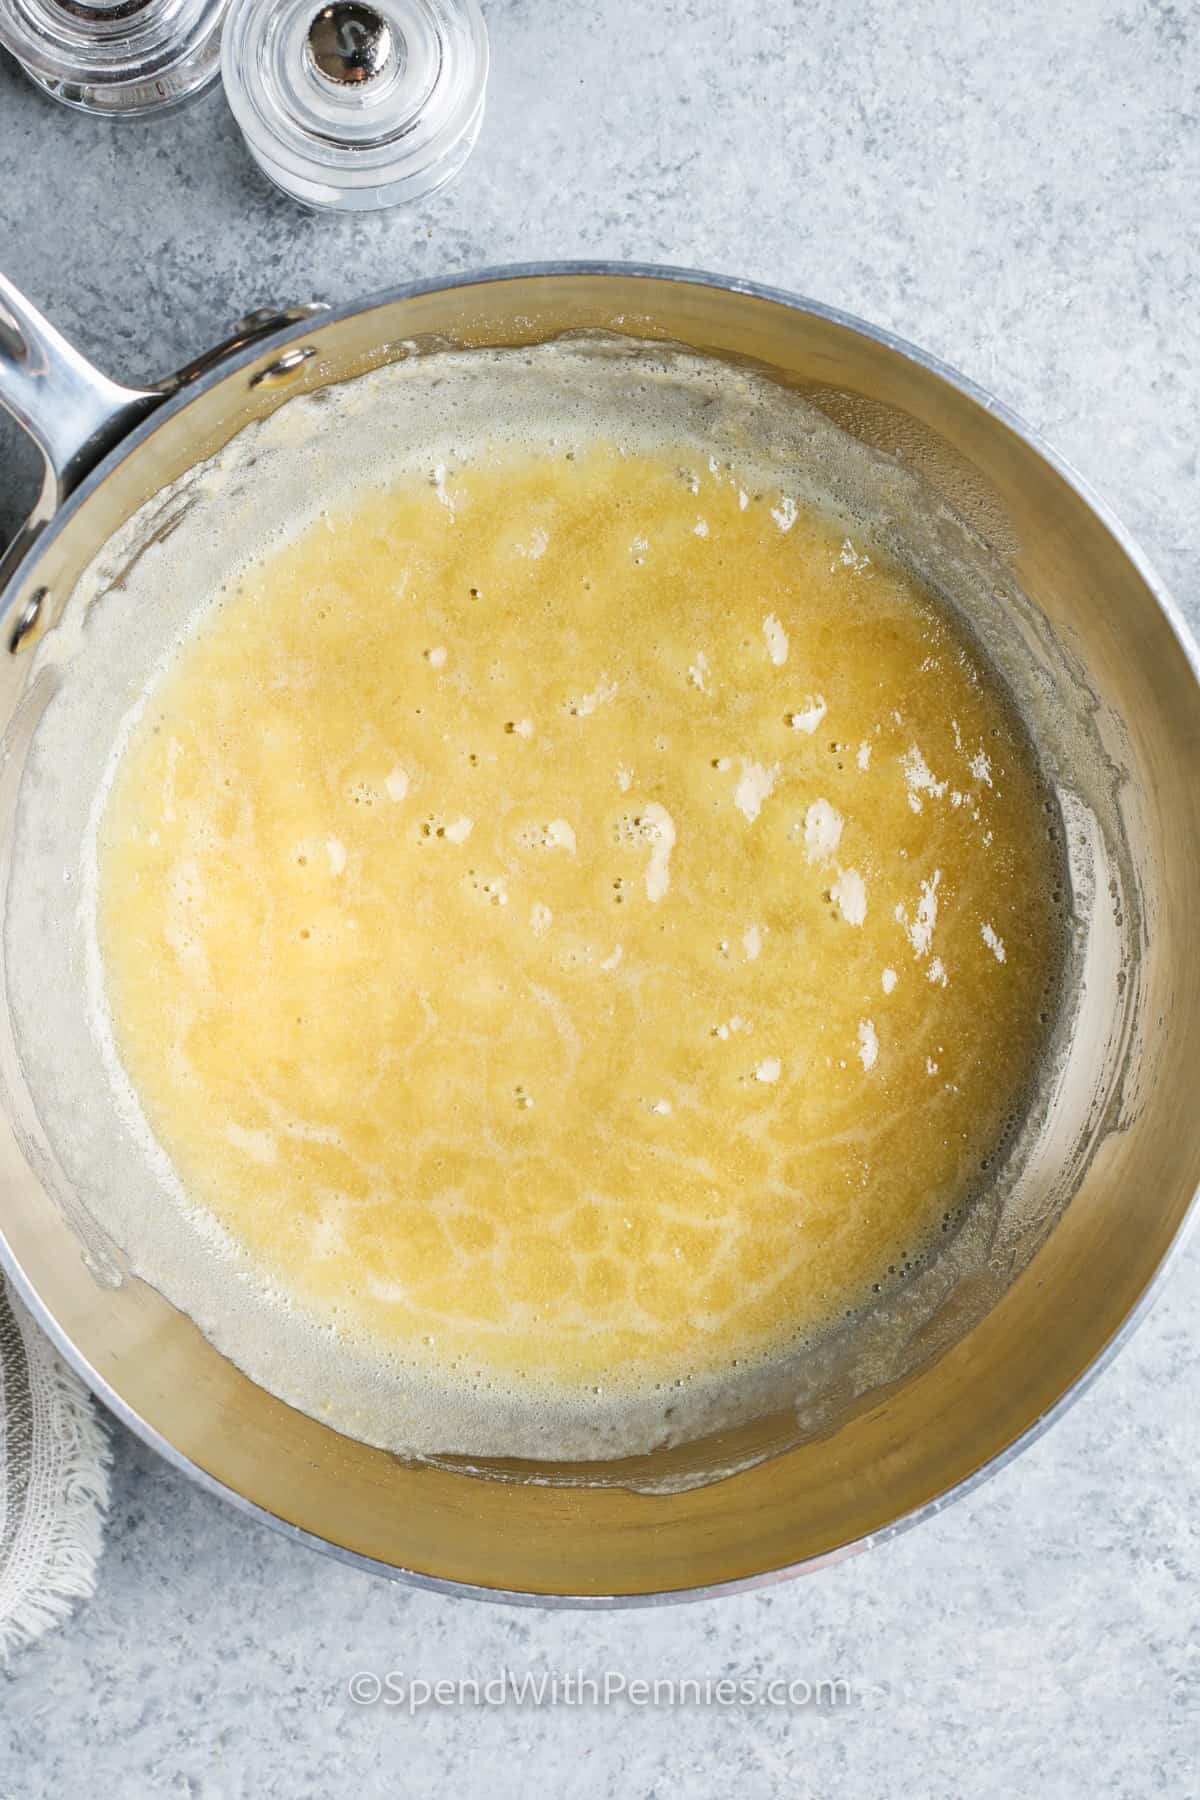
(1014, 186)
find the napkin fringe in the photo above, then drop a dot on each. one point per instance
(69, 1537)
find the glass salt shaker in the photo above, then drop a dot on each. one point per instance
(116, 58)
(358, 104)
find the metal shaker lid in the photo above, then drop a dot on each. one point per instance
(357, 104)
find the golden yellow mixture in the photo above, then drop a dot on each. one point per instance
(575, 917)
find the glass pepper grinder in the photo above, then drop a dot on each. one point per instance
(116, 58)
(359, 104)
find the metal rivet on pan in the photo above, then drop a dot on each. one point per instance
(29, 622)
(284, 367)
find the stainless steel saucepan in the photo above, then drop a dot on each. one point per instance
(997, 1363)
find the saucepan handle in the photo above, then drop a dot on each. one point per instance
(72, 412)
(76, 414)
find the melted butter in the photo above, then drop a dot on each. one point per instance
(560, 942)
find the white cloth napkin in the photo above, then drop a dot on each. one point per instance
(54, 1457)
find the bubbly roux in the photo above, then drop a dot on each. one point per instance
(579, 920)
